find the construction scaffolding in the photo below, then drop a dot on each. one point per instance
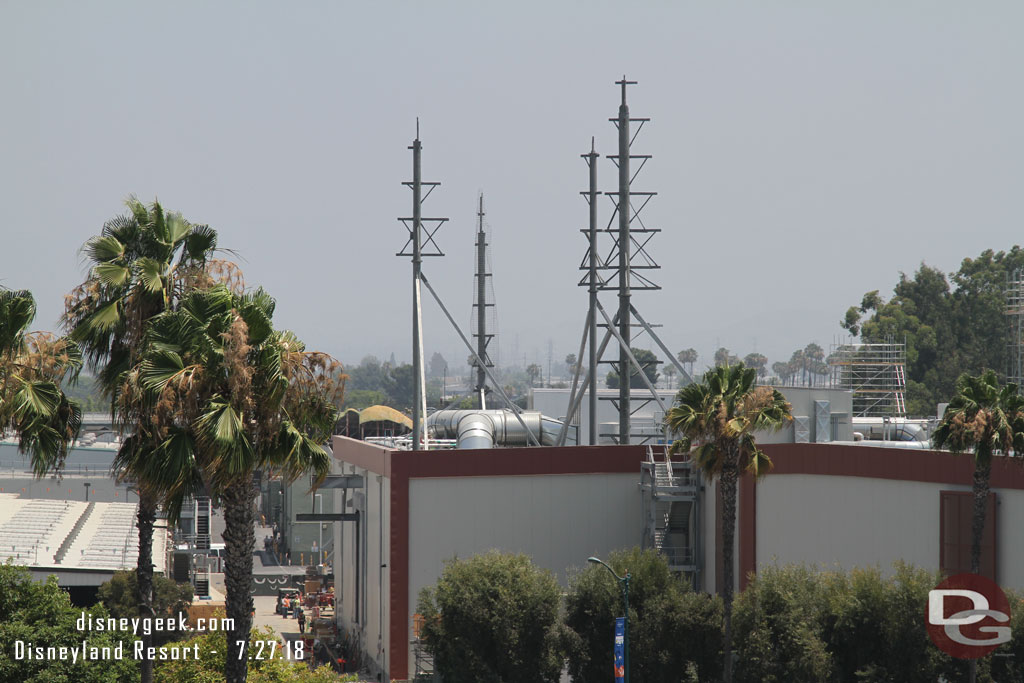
(875, 373)
(1015, 319)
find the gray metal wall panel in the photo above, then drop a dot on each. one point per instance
(822, 421)
(801, 429)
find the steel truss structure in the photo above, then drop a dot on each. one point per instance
(621, 271)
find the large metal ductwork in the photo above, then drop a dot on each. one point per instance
(891, 429)
(487, 428)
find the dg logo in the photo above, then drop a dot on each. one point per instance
(968, 616)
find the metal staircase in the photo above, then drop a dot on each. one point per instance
(671, 491)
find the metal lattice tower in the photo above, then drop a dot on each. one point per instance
(420, 236)
(875, 373)
(621, 271)
(1015, 319)
(481, 304)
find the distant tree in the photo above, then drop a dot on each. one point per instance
(851, 321)
(814, 357)
(758, 362)
(42, 614)
(670, 372)
(670, 626)
(438, 365)
(688, 357)
(401, 386)
(798, 367)
(119, 596)
(364, 398)
(493, 617)
(952, 324)
(533, 372)
(369, 375)
(648, 361)
(783, 371)
(570, 363)
(724, 357)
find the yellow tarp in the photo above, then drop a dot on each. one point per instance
(384, 414)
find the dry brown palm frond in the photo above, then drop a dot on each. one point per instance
(236, 361)
(756, 401)
(314, 372)
(227, 273)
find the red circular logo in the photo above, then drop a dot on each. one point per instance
(968, 616)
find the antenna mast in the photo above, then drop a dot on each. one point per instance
(419, 236)
(480, 306)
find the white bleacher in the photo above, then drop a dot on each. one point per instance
(108, 540)
(31, 530)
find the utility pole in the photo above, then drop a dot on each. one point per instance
(483, 339)
(624, 264)
(419, 237)
(593, 286)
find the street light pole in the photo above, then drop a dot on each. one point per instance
(320, 527)
(624, 580)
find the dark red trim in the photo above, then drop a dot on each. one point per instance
(747, 529)
(398, 575)
(898, 464)
(521, 461)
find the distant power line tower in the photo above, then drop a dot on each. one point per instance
(620, 271)
(1015, 318)
(483, 305)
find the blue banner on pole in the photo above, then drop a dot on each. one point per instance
(620, 649)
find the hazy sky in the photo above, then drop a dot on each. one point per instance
(804, 153)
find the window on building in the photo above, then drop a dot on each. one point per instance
(956, 511)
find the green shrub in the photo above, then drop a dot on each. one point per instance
(779, 628)
(493, 617)
(798, 624)
(672, 629)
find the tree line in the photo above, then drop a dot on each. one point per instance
(793, 623)
(204, 390)
(952, 324)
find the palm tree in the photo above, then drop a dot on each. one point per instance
(717, 418)
(235, 396)
(33, 366)
(533, 372)
(984, 418)
(688, 357)
(758, 361)
(814, 357)
(141, 264)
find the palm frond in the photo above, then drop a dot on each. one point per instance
(104, 249)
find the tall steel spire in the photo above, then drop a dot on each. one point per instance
(480, 305)
(626, 261)
(420, 236)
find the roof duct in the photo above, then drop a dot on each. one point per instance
(487, 428)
